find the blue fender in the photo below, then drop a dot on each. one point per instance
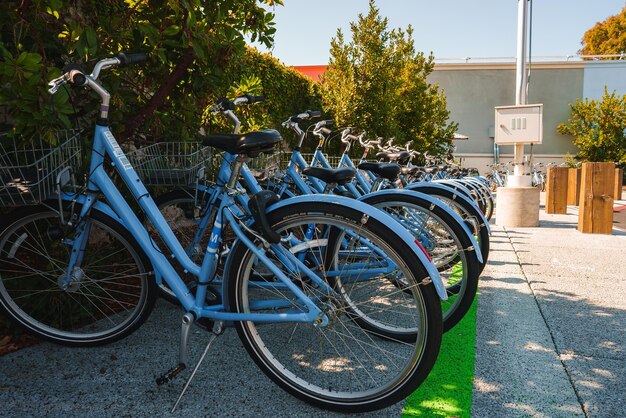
(434, 202)
(378, 215)
(459, 196)
(481, 184)
(454, 184)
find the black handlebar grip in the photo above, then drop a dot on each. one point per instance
(128, 59)
(329, 122)
(314, 113)
(254, 99)
(76, 74)
(226, 104)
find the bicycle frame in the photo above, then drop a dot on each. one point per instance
(298, 161)
(100, 182)
(117, 207)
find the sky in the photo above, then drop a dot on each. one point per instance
(448, 28)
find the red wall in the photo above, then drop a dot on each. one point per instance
(312, 71)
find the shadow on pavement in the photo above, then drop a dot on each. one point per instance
(590, 338)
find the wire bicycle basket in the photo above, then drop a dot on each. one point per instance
(265, 166)
(170, 163)
(30, 174)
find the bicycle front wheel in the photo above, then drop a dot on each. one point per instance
(445, 241)
(381, 340)
(109, 294)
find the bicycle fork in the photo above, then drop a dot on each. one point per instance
(71, 279)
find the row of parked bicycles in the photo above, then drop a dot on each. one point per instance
(339, 280)
(500, 171)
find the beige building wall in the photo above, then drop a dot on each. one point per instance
(473, 90)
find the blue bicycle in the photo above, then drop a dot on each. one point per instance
(331, 297)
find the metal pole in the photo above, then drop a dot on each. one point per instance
(518, 202)
(521, 76)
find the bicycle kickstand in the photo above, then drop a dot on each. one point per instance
(218, 329)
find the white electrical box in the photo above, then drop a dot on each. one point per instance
(519, 124)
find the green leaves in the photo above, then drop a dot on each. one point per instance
(598, 128)
(377, 82)
(172, 30)
(287, 92)
(52, 33)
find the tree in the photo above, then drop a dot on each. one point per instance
(190, 43)
(598, 128)
(287, 92)
(607, 37)
(377, 82)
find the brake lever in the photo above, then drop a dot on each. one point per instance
(56, 83)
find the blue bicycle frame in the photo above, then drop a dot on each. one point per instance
(116, 207)
(317, 187)
(100, 182)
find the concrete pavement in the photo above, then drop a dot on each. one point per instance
(551, 327)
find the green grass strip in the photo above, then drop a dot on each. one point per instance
(447, 391)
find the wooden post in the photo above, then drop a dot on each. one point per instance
(596, 203)
(619, 183)
(573, 186)
(556, 190)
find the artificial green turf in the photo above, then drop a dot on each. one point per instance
(448, 389)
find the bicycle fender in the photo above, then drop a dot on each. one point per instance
(378, 215)
(454, 184)
(435, 202)
(481, 184)
(459, 196)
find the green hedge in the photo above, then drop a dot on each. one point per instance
(287, 92)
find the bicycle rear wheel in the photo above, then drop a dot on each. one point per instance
(109, 295)
(354, 364)
(467, 211)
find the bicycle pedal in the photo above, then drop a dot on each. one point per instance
(171, 374)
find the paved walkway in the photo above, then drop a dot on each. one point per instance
(551, 327)
(118, 380)
(551, 343)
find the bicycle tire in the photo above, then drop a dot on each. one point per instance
(470, 213)
(459, 268)
(488, 197)
(326, 388)
(104, 302)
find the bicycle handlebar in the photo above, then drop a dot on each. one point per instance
(224, 104)
(294, 120)
(370, 144)
(76, 75)
(309, 114)
(130, 58)
(320, 127)
(249, 99)
(347, 137)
